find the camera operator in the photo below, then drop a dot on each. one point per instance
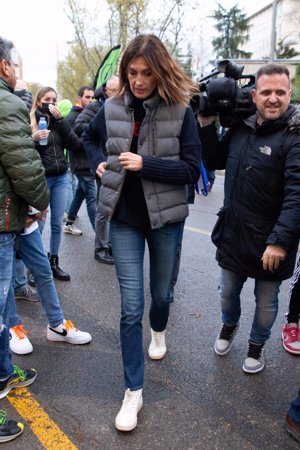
(257, 230)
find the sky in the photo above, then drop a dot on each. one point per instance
(40, 31)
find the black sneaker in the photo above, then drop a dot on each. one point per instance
(9, 429)
(20, 378)
(255, 361)
(225, 339)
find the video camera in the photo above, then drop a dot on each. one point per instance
(225, 95)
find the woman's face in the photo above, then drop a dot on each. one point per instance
(141, 79)
(48, 97)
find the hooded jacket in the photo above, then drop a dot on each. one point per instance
(22, 179)
(262, 194)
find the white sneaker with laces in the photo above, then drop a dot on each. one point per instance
(157, 348)
(18, 341)
(126, 419)
(72, 230)
(66, 332)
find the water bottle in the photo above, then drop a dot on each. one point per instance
(43, 126)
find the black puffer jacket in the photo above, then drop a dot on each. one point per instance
(262, 194)
(79, 162)
(84, 118)
(80, 125)
(26, 96)
(61, 136)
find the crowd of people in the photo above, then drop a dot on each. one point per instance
(132, 150)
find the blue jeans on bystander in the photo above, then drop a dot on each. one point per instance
(266, 299)
(31, 250)
(58, 187)
(86, 189)
(72, 185)
(6, 298)
(294, 409)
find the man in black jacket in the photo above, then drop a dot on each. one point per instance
(80, 167)
(257, 232)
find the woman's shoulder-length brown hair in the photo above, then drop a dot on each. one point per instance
(173, 85)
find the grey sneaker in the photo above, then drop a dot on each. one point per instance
(225, 339)
(28, 294)
(72, 230)
(255, 361)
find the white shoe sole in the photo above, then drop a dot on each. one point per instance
(71, 232)
(156, 357)
(253, 371)
(83, 340)
(21, 352)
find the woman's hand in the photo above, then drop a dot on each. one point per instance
(40, 134)
(101, 169)
(54, 111)
(131, 161)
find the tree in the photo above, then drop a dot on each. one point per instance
(296, 86)
(127, 20)
(72, 73)
(185, 60)
(34, 88)
(85, 53)
(233, 27)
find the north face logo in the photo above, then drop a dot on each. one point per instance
(265, 150)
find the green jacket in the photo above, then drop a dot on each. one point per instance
(22, 179)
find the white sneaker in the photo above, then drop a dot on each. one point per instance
(18, 341)
(157, 348)
(72, 230)
(126, 419)
(66, 332)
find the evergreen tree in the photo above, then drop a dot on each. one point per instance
(233, 27)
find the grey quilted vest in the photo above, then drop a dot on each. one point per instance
(158, 137)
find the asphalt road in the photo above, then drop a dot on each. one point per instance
(193, 399)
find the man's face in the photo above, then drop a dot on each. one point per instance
(86, 98)
(271, 96)
(112, 87)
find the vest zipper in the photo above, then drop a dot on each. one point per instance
(154, 140)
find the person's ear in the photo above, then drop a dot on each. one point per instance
(4, 69)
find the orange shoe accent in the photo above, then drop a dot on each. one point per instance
(19, 331)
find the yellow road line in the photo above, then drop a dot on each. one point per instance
(47, 432)
(198, 230)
